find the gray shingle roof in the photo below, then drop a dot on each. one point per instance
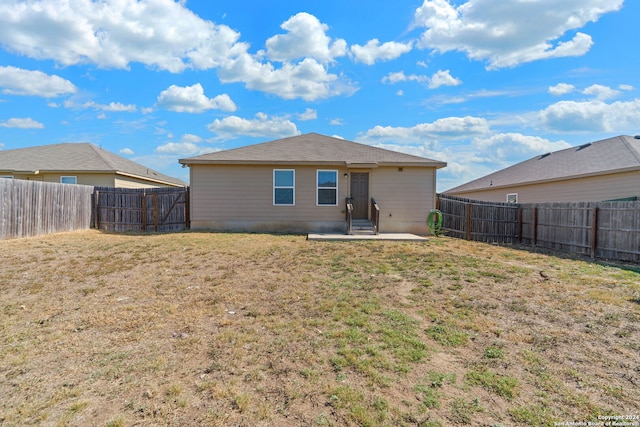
(76, 157)
(312, 148)
(617, 154)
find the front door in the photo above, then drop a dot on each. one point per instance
(360, 194)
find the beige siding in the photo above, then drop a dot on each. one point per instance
(236, 197)
(94, 179)
(590, 189)
(405, 197)
(241, 197)
(130, 182)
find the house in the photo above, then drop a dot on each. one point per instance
(80, 163)
(600, 171)
(301, 183)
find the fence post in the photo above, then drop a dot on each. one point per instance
(534, 225)
(155, 210)
(187, 209)
(519, 231)
(468, 206)
(144, 211)
(96, 205)
(594, 231)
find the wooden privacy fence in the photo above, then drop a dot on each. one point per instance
(150, 209)
(609, 230)
(32, 208)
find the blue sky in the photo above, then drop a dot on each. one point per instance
(479, 84)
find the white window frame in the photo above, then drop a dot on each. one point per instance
(318, 188)
(512, 195)
(292, 187)
(75, 179)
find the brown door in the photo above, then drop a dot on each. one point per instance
(360, 194)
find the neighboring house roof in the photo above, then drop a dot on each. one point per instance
(313, 149)
(76, 158)
(612, 155)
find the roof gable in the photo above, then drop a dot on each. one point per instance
(76, 157)
(617, 154)
(311, 148)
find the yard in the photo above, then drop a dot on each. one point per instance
(191, 329)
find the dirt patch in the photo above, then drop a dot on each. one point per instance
(249, 330)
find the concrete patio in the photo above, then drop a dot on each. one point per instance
(381, 236)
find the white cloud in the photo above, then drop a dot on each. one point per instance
(305, 54)
(181, 148)
(306, 38)
(440, 78)
(191, 99)
(592, 116)
(189, 137)
(514, 145)
(166, 35)
(601, 92)
(443, 78)
(163, 34)
(187, 146)
(561, 89)
(447, 128)
(22, 123)
(373, 51)
(111, 107)
(475, 156)
(400, 76)
(127, 151)
(262, 126)
(309, 114)
(308, 79)
(626, 87)
(336, 122)
(17, 81)
(510, 33)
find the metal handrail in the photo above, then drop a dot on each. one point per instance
(349, 214)
(375, 215)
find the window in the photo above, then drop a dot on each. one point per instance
(512, 198)
(327, 194)
(69, 179)
(7, 176)
(283, 187)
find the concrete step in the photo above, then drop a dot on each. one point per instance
(362, 227)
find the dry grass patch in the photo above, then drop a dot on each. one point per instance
(246, 329)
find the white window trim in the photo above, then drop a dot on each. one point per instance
(293, 187)
(75, 178)
(326, 188)
(512, 194)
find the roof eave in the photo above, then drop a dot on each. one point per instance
(146, 178)
(351, 165)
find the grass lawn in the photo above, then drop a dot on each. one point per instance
(192, 329)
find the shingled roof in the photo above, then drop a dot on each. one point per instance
(612, 155)
(76, 157)
(312, 148)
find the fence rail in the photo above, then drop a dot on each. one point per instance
(150, 209)
(32, 208)
(608, 230)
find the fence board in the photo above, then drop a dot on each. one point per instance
(608, 230)
(149, 209)
(32, 208)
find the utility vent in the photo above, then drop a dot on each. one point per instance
(583, 146)
(544, 155)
